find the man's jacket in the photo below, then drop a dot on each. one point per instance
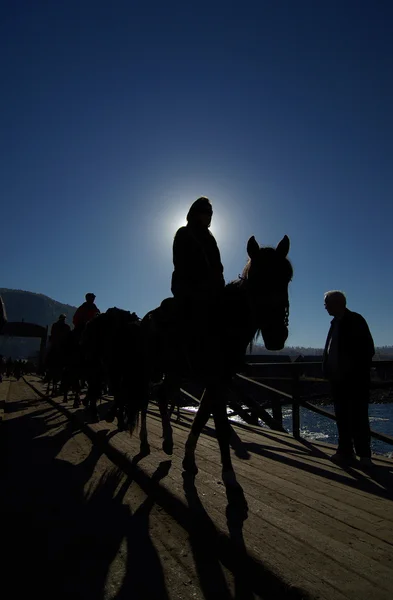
(353, 348)
(84, 314)
(197, 262)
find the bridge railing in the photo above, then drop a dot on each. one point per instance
(291, 376)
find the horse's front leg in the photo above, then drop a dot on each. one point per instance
(167, 434)
(144, 443)
(77, 399)
(223, 432)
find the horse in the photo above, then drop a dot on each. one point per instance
(135, 353)
(255, 304)
(113, 346)
(64, 367)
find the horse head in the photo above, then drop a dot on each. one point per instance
(266, 278)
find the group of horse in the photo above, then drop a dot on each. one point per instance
(129, 354)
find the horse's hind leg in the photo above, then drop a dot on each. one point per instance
(200, 420)
(168, 387)
(144, 444)
(167, 444)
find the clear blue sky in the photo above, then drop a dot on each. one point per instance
(116, 115)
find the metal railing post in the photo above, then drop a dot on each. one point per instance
(295, 405)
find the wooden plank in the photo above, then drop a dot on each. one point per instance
(300, 524)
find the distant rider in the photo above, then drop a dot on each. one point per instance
(85, 313)
(59, 331)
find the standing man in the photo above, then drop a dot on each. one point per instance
(346, 363)
(86, 311)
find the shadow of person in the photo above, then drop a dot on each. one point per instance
(381, 475)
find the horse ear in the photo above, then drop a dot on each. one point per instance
(252, 247)
(283, 246)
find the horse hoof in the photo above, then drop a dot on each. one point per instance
(189, 465)
(229, 479)
(167, 446)
(145, 449)
(110, 417)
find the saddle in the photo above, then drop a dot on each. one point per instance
(183, 342)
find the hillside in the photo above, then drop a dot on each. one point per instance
(31, 308)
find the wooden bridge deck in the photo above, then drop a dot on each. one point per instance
(325, 531)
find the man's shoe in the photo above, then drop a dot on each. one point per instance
(343, 459)
(365, 462)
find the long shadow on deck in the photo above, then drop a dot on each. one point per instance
(212, 550)
(377, 480)
(60, 542)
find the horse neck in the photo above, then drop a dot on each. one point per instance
(238, 312)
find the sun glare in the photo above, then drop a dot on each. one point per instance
(174, 206)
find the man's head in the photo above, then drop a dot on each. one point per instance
(201, 212)
(335, 303)
(90, 297)
(62, 317)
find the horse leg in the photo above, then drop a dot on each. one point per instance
(223, 432)
(168, 387)
(77, 400)
(120, 413)
(200, 420)
(112, 411)
(93, 394)
(144, 444)
(167, 444)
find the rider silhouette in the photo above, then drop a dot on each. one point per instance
(84, 313)
(197, 279)
(59, 331)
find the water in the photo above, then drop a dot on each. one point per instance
(316, 427)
